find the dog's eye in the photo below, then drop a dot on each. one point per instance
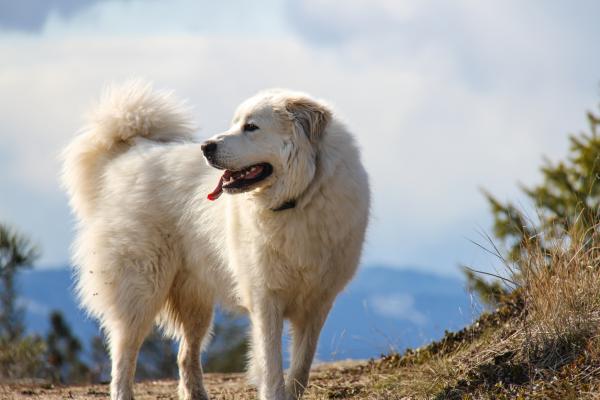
(250, 127)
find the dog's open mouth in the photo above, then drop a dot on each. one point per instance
(242, 180)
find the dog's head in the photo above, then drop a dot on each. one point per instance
(271, 146)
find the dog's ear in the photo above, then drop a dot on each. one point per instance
(309, 115)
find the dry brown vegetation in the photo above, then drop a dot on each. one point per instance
(542, 342)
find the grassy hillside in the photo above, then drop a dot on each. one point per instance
(542, 342)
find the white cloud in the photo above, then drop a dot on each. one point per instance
(33, 306)
(442, 104)
(398, 306)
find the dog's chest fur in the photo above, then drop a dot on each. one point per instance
(293, 253)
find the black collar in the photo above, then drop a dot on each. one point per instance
(286, 205)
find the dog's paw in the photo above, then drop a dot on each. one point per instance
(197, 393)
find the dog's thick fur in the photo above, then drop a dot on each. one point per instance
(150, 247)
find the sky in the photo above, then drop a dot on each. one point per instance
(445, 98)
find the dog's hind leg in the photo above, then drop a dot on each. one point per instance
(188, 312)
(136, 300)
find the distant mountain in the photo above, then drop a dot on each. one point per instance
(44, 290)
(387, 309)
(382, 309)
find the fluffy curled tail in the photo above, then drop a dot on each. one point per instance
(124, 112)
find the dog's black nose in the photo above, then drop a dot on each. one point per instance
(209, 147)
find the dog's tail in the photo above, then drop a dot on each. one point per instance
(124, 112)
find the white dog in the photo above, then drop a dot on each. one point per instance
(152, 247)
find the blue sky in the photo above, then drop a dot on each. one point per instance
(444, 97)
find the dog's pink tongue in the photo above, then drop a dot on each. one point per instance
(215, 194)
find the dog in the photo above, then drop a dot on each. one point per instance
(158, 242)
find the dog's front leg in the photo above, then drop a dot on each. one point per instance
(306, 327)
(266, 368)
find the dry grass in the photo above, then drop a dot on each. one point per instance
(547, 345)
(543, 341)
(562, 297)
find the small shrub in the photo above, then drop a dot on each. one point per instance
(23, 358)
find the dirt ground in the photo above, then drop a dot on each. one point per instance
(220, 386)
(326, 377)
